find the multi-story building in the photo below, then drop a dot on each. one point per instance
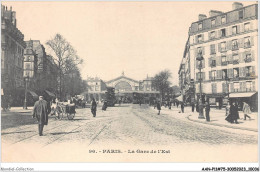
(124, 88)
(228, 44)
(12, 46)
(46, 70)
(30, 71)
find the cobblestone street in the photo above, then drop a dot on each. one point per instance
(125, 127)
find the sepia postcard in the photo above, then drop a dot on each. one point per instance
(115, 81)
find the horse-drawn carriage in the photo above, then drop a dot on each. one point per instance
(61, 109)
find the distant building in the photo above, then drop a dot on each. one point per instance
(30, 71)
(12, 46)
(124, 88)
(228, 44)
(43, 69)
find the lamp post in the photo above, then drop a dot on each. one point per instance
(25, 94)
(199, 59)
(227, 84)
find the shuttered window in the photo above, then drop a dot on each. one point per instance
(200, 26)
(236, 86)
(224, 74)
(235, 59)
(223, 46)
(249, 86)
(214, 87)
(234, 30)
(234, 44)
(223, 19)
(247, 41)
(247, 27)
(236, 72)
(212, 49)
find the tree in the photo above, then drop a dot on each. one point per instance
(161, 82)
(65, 56)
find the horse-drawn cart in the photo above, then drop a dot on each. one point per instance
(63, 108)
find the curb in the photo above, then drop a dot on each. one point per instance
(222, 125)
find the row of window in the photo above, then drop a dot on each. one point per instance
(224, 32)
(223, 20)
(246, 86)
(248, 71)
(224, 60)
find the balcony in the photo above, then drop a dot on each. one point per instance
(234, 48)
(248, 60)
(235, 62)
(224, 63)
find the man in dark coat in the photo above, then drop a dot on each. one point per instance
(93, 107)
(169, 105)
(40, 111)
(182, 107)
(158, 107)
(192, 107)
(233, 115)
(207, 110)
(104, 107)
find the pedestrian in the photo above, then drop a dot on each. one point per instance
(40, 111)
(233, 116)
(104, 107)
(197, 107)
(182, 107)
(93, 107)
(177, 103)
(83, 103)
(228, 109)
(169, 104)
(236, 115)
(140, 102)
(207, 110)
(192, 107)
(246, 110)
(158, 107)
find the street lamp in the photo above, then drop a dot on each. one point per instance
(25, 95)
(227, 85)
(199, 59)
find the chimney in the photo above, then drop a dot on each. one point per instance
(236, 5)
(202, 16)
(214, 13)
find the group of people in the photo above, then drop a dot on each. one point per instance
(93, 107)
(233, 114)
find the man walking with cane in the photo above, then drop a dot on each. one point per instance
(40, 111)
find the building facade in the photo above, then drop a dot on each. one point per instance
(12, 46)
(228, 44)
(46, 71)
(124, 88)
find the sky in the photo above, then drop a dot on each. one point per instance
(139, 38)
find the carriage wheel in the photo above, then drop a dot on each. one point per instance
(70, 115)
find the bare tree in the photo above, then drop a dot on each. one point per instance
(65, 56)
(161, 81)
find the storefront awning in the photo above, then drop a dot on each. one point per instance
(50, 93)
(33, 94)
(237, 95)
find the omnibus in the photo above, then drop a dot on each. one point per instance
(137, 97)
(110, 96)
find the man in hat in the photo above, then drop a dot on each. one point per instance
(41, 111)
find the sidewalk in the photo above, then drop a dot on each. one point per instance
(217, 118)
(18, 110)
